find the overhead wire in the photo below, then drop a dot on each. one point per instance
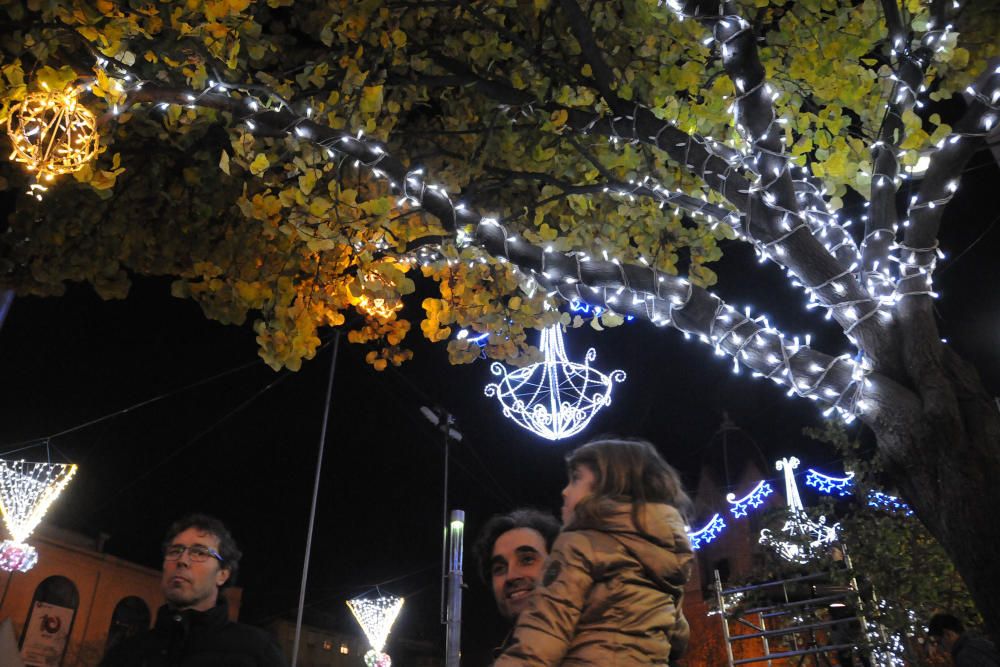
(33, 442)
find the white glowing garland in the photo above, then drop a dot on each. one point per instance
(376, 617)
(554, 398)
(798, 524)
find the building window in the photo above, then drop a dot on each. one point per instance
(327, 646)
(344, 650)
(131, 616)
(50, 620)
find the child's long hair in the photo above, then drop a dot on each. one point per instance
(627, 470)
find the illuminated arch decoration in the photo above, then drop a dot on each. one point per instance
(52, 134)
(708, 533)
(754, 499)
(376, 616)
(554, 398)
(26, 492)
(841, 486)
(808, 536)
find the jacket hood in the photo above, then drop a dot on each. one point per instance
(659, 542)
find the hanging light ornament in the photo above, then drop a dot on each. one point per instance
(554, 398)
(26, 492)
(807, 536)
(376, 616)
(52, 134)
(376, 306)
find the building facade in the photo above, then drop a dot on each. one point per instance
(77, 601)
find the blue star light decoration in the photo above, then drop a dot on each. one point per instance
(753, 499)
(554, 398)
(889, 503)
(840, 486)
(708, 533)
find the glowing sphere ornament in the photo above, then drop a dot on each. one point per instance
(52, 134)
(376, 616)
(26, 492)
(807, 537)
(379, 307)
(554, 398)
(17, 557)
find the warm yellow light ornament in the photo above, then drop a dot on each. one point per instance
(52, 134)
(377, 306)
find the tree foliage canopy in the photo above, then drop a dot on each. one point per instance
(496, 101)
(300, 163)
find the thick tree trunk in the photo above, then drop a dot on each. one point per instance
(945, 459)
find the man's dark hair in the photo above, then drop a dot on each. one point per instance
(230, 553)
(543, 522)
(941, 622)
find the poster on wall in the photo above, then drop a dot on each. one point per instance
(46, 635)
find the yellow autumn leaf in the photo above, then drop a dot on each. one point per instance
(307, 181)
(224, 163)
(259, 164)
(371, 99)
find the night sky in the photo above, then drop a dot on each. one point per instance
(243, 446)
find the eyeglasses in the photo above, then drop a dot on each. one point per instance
(196, 552)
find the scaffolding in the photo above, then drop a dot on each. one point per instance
(798, 620)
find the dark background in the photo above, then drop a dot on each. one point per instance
(244, 446)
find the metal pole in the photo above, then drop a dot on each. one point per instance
(444, 521)
(312, 510)
(721, 601)
(453, 634)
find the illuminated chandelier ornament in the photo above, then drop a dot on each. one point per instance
(808, 536)
(26, 492)
(376, 616)
(554, 398)
(52, 134)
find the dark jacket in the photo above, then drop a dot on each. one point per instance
(610, 596)
(197, 639)
(975, 652)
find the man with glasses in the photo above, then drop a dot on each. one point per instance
(193, 629)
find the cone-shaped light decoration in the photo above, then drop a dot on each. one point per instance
(26, 492)
(376, 616)
(809, 536)
(554, 398)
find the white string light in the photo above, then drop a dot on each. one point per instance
(376, 617)
(554, 398)
(26, 492)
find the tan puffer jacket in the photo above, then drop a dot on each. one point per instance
(611, 597)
